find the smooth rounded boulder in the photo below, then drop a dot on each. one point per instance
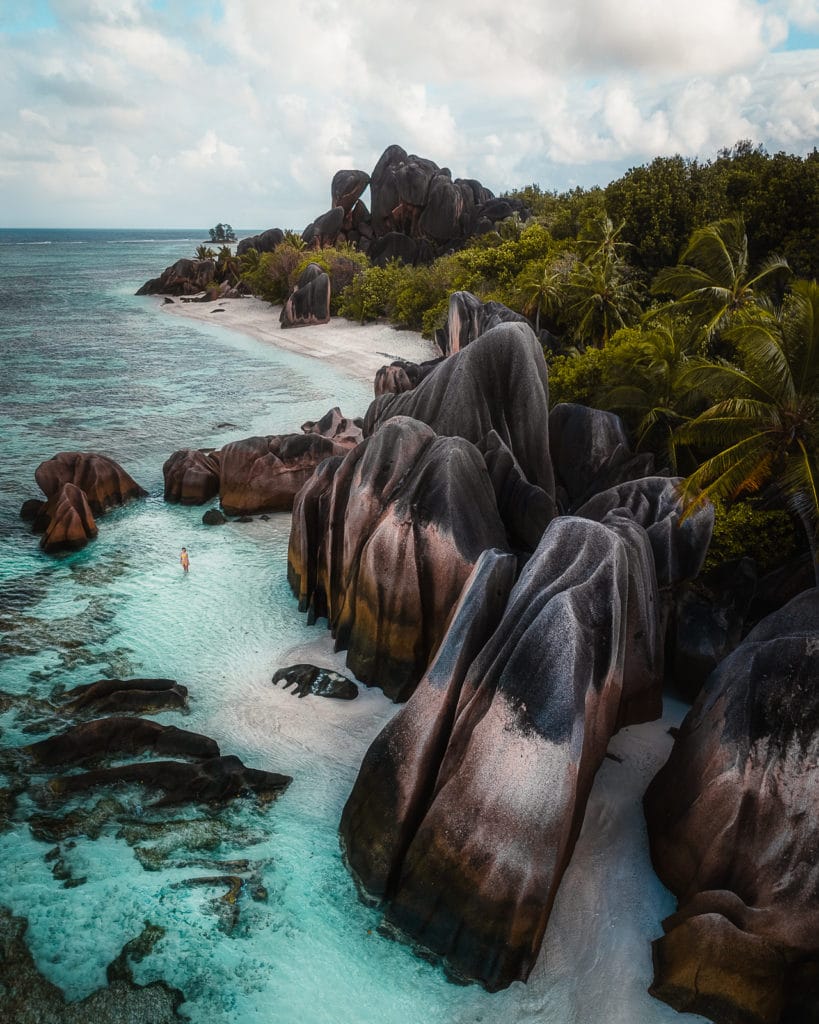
(67, 521)
(733, 824)
(191, 476)
(383, 541)
(309, 301)
(264, 474)
(105, 483)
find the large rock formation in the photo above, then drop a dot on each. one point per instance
(309, 301)
(401, 375)
(383, 541)
(733, 822)
(469, 803)
(468, 318)
(499, 382)
(185, 277)
(191, 476)
(66, 520)
(266, 241)
(264, 474)
(590, 453)
(105, 482)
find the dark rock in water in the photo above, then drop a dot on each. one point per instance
(137, 695)
(107, 737)
(105, 482)
(590, 452)
(191, 476)
(402, 375)
(468, 804)
(309, 302)
(31, 509)
(167, 301)
(708, 623)
(412, 513)
(211, 781)
(734, 831)
(29, 998)
(264, 474)
(213, 517)
(335, 425)
(321, 682)
(185, 277)
(70, 522)
(498, 382)
(245, 519)
(81, 822)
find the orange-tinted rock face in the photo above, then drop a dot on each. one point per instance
(70, 522)
(191, 476)
(104, 481)
(733, 820)
(264, 474)
(383, 541)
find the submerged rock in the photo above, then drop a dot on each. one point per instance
(213, 780)
(105, 482)
(213, 517)
(29, 998)
(69, 521)
(321, 682)
(107, 737)
(137, 695)
(734, 831)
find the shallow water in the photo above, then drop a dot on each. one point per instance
(88, 366)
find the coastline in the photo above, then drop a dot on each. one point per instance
(358, 350)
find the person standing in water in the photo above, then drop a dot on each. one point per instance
(183, 558)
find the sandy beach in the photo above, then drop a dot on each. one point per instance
(356, 350)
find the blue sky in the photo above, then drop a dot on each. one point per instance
(151, 113)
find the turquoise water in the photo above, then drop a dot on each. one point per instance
(88, 366)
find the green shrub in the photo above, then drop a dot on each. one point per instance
(744, 528)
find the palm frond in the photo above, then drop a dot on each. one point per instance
(744, 467)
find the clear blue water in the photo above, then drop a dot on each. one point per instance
(88, 366)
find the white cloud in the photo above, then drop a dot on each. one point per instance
(168, 112)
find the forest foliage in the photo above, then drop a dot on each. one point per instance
(682, 296)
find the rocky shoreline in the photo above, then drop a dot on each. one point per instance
(516, 575)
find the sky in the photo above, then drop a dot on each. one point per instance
(183, 113)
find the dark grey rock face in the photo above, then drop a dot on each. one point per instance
(468, 804)
(498, 382)
(733, 829)
(309, 302)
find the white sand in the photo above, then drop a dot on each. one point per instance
(358, 351)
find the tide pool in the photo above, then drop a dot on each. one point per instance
(87, 366)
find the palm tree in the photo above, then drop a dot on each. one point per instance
(765, 421)
(204, 252)
(712, 281)
(599, 300)
(647, 386)
(541, 287)
(600, 239)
